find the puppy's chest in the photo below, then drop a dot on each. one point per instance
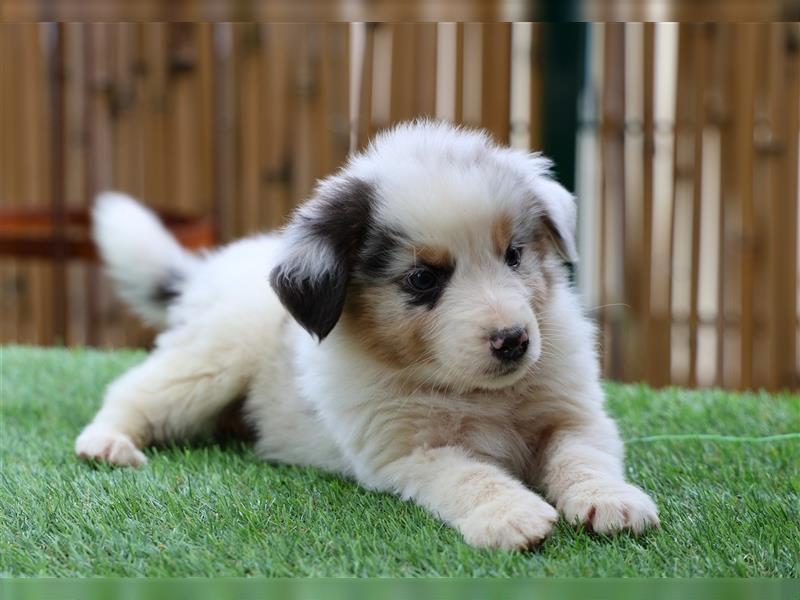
(501, 436)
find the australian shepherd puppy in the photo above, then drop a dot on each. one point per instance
(413, 327)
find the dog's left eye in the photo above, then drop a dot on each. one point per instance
(422, 280)
(513, 256)
(424, 284)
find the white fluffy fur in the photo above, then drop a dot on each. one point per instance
(136, 248)
(467, 447)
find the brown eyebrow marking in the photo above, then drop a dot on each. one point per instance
(431, 255)
(502, 228)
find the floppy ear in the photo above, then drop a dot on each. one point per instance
(560, 215)
(321, 242)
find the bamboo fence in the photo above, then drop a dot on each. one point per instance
(687, 169)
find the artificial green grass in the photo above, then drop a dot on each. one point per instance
(727, 508)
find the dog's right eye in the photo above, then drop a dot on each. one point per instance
(513, 256)
(422, 280)
(424, 284)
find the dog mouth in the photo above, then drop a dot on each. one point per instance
(504, 370)
(496, 377)
(504, 375)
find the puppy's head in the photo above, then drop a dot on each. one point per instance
(436, 252)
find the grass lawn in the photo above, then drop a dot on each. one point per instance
(727, 508)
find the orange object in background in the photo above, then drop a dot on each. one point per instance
(38, 234)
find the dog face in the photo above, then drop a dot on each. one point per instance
(436, 252)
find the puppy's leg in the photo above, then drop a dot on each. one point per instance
(174, 394)
(487, 505)
(582, 473)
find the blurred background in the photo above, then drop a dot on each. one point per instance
(680, 140)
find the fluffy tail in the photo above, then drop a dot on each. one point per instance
(146, 264)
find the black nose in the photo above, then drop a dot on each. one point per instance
(509, 344)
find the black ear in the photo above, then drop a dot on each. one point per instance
(321, 243)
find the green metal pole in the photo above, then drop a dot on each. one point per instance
(564, 50)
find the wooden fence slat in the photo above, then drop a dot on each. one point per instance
(403, 64)
(100, 83)
(471, 74)
(305, 101)
(336, 96)
(9, 180)
(769, 141)
(759, 222)
(75, 181)
(496, 82)
(680, 294)
(182, 111)
(745, 52)
(698, 125)
(536, 89)
(664, 99)
(204, 203)
(224, 128)
(364, 120)
(276, 164)
(123, 100)
(719, 117)
(652, 370)
(249, 138)
(729, 277)
(458, 109)
(784, 105)
(57, 192)
(790, 375)
(613, 178)
(633, 219)
(36, 165)
(155, 100)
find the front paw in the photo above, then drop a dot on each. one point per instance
(517, 521)
(609, 506)
(102, 443)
